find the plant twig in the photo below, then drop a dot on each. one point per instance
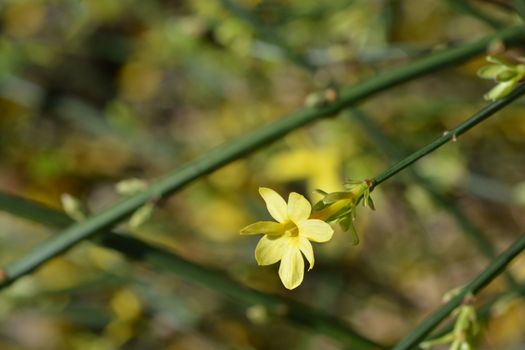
(477, 284)
(216, 280)
(450, 135)
(245, 145)
(393, 151)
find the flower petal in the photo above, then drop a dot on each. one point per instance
(270, 250)
(299, 208)
(315, 230)
(306, 249)
(275, 204)
(264, 227)
(291, 270)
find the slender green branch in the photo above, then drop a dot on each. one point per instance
(392, 150)
(478, 283)
(450, 135)
(216, 280)
(236, 149)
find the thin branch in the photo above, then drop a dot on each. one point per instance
(229, 152)
(393, 151)
(216, 280)
(477, 284)
(450, 135)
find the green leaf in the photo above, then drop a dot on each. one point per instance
(337, 196)
(355, 237)
(465, 346)
(315, 99)
(129, 187)
(345, 223)
(491, 72)
(73, 207)
(319, 205)
(321, 192)
(445, 339)
(501, 90)
(371, 204)
(499, 61)
(141, 215)
(456, 345)
(506, 75)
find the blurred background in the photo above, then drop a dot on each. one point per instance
(96, 91)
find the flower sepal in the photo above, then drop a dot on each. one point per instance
(340, 207)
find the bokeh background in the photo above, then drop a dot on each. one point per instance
(96, 91)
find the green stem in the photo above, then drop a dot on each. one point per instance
(450, 135)
(478, 283)
(236, 149)
(392, 150)
(216, 280)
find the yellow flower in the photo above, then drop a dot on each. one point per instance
(290, 236)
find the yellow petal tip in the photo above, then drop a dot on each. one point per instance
(264, 189)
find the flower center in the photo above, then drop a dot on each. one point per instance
(290, 229)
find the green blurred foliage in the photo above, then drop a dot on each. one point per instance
(96, 91)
